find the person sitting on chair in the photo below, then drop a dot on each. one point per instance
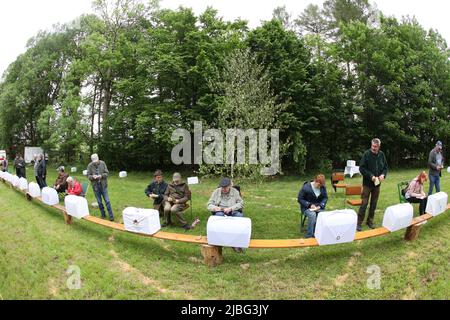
(226, 200)
(74, 188)
(61, 181)
(416, 194)
(156, 190)
(313, 199)
(175, 198)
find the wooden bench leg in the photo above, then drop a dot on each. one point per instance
(212, 255)
(67, 218)
(412, 232)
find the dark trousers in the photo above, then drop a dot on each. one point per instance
(21, 173)
(422, 205)
(368, 192)
(41, 182)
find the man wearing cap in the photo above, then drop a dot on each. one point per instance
(61, 181)
(155, 191)
(98, 175)
(175, 198)
(226, 200)
(436, 164)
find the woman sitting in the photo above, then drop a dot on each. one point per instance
(415, 194)
(74, 188)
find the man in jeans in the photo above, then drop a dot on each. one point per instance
(436, 164)
(373, 168)
(98, 175)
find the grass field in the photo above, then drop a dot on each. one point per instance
(37, 248)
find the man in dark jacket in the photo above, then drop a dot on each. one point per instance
(374, 169)
(97, 173)
(41, 171)
(313, 198)
(61, 181)
(175, 198)
(156, 190)
(19, 164)
(436, 164)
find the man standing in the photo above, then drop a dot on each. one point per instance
(373, 168)
(175, 198)
(41, 171)
(436, 164)
(156, 190)
(4, 164)
(98, 175)
(19, 165)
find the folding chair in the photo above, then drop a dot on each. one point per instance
(337, 181)
(353, 191)
(85, 187)
(402, 185)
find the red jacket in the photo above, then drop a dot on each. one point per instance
(75, 190)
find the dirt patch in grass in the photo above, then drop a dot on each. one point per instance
(53, 288)
(137, 274)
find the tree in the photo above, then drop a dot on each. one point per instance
(247, 103)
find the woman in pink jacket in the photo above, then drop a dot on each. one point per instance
(415, 193)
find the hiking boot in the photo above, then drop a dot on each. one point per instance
(371, 225)
(359, 228)
(111, 219)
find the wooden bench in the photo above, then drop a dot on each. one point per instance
(411, 234)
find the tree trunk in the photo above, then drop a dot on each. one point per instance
(91, 144)
(412, 232)
(212, 255)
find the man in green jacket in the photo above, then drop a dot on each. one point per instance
(374, 168)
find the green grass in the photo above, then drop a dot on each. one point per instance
(36, 249)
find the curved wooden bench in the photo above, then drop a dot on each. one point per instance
(254, 244)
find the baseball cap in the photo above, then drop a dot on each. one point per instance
(225, 182)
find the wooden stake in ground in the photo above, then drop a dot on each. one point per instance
(212, 255)
(67, 218)
(412, 232)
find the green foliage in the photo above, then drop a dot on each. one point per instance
(119, 81)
